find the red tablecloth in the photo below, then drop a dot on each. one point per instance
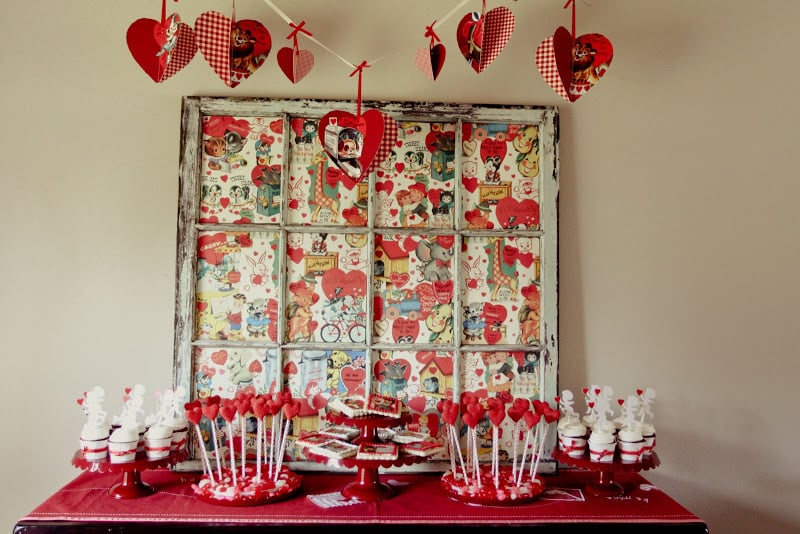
(418, 499)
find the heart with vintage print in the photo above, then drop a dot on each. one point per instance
(295, 63)
(234, 49)
(161, 48)
(430, 60)
(482, 36)
(571, 67)
(351, 141)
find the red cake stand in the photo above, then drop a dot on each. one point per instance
(606, 486)
(131, 485)
(367, 486)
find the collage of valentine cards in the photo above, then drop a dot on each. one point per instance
(406, 250)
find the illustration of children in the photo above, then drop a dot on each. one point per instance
(499, 374)
(413, 206)
(235, 316)
(299, 311)
(492, 164)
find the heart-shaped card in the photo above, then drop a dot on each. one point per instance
(482, 36)
(234, 49)
(351, 141)
(161, 48)
(573, 66)
(430, 60)
(295, 63)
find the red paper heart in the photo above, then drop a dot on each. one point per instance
(449, 411)
(518, 409)
(469, 419)
(259, 406)
(388, 142)
(430, 60)
(194, 412)
(227, 409)
(353, 378)
(295, 64)
(291, 408)
(242, 405)
(550, 414)
(573, 67)
(482, 38)
(531, 418)
(161, 50)
(351, 142)
(234, 50)
(210, 410)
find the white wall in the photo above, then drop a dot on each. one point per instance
(678, 229)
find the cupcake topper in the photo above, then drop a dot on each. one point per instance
(133, 407)
(602, 404)
(629, 410)
(646, 399)
(92, 406)
(565, 402)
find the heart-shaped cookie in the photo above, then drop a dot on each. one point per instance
(161, 48)
(233, 49)
(481, 37)
(571, 67)
(295, 64)
(350, 141)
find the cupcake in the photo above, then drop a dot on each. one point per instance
(122, 445)
(572, 440)
(602, 444)
(157, 441)
(631, 445)
(94, 442)
(649, 436)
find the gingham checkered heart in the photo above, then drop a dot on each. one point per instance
(430, 60)
(161, 49)
(497, 29)
(387, 143)
(235, 50)
(295, 64)
(549, 67)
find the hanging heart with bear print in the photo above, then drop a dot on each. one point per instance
(161, 49)
(573, 66)
(351, 141)
(235, 49)
(482, 36)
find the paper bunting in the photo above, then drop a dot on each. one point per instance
(572, 65)
(430, 59)
(482, 36)
(235, 49)
(351, 141)
(294, 62)
(161, 48)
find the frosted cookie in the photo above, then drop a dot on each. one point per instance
(335, 449)
(377, 451)
(408, 436)
(349, 406)
(313, 439)
(341, 432)
(421, 448)
(383, 405)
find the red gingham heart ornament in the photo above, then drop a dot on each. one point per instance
(388, 142)
(234, 49)
(161, 48)
(482, 36)
(295, 63)
(573, 66)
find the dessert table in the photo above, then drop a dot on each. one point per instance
(84, 505)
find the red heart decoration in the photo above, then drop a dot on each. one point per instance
(210, 410)
(353, 378)
(351, 142)
(531, 418)
(585, 391)
(255, 367)
(291, 408)
(481, 38)
(491, 148)
(234, 50)
(399, 279)
(338, 283)
(443, 291)
(496, 313)
(470, 184)
(557, 399)
(518, 409)
(219, 357)
(476, 409)
(430, 60)
(227, 409)
(295, 64)
(597, 391)
(449, 410)
(590, 404)
(80, 402)
(639, 392)
(259, 406)
(513, 213)
(242, 405)
(127, 391)
(403, 328)
(418, 404)
(572, 67)
(194, 412)
(161, 49)
(620, 401)
(550, 414)
(388, 142)
(295, 254)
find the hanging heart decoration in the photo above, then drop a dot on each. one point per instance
(388, 142)
(572, 65)
(351, 141)
(430, 59)
(235, 49)
(294, 62)
(163, 48)
(482, 36)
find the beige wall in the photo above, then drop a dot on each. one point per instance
(678, 227)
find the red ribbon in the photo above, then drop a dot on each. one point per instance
(432, 34)
(573, 15)
(363, 65)
(297, 28)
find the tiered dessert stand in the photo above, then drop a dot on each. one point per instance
(606, 486)
(131, 485)
(367, 487)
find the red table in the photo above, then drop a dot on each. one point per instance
(84, 505)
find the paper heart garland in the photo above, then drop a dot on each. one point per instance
(573, 67)
(482, 36)
(295, 63)
(430, 60)
(234, 49)
(351, 141)
(161, 48)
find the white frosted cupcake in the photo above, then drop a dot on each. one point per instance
(602, 445)
(157, 441)
(649, 436)
(180, 430)
(572, 440)
(94, 442)
(122, 445)
(631, 445)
